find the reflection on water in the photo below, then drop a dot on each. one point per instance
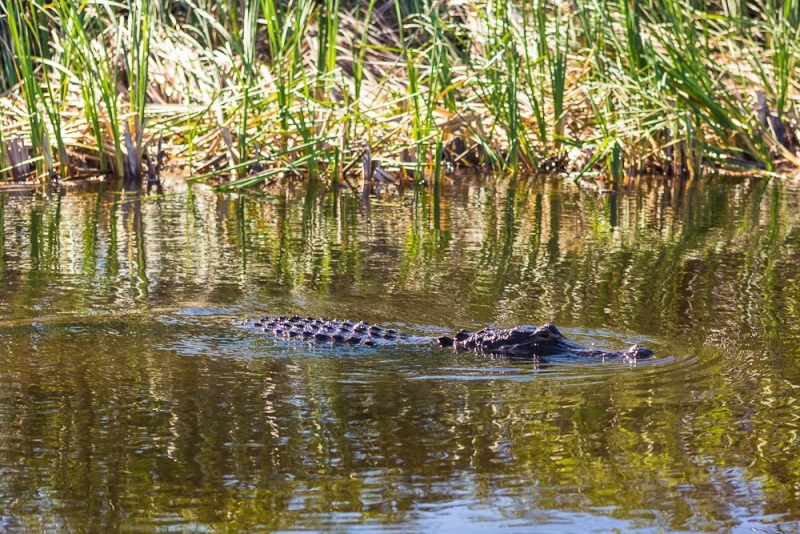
(129, 399)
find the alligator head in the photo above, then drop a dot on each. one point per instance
(533, 341)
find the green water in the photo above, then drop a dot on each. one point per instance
(130, 400)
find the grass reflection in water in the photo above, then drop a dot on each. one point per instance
(129, 400)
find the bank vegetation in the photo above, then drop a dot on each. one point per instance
(242, 92)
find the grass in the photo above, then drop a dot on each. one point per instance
(245, 91)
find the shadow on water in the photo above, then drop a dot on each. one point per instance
(129, 399)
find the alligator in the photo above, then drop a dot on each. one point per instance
(520, 341)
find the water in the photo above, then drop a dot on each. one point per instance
(130, 400)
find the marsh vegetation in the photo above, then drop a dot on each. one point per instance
(239, 92)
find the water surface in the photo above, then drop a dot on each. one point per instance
(130, 399)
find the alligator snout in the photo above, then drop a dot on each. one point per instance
(638, 352)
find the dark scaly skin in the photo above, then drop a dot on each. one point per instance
(520, 341)
(535, 341)
(324, 331)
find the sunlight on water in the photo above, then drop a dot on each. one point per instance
(132, 398)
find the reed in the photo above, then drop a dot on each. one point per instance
(22, 20)
(254, 90)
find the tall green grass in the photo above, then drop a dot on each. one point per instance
(256, 90)
(23, 29)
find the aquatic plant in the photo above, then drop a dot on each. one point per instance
(248, 91)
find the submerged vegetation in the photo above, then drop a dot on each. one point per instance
(239, 92)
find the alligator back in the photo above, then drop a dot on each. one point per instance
(324, 331)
